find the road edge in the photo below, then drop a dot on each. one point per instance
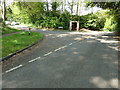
(21, 50)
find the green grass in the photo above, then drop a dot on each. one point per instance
(19, 41)
(7, 30)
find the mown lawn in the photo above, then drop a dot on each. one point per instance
(7, 30)
(19, 41)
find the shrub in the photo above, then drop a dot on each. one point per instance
(64, 20)
(110, 23)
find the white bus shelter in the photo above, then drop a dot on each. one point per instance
(74, 25)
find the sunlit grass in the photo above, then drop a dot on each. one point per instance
(16, 42)
(7, 30)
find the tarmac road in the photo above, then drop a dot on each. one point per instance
(65, 60)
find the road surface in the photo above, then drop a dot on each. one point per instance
(65, 60)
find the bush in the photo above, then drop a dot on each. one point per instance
(92, 21)
(110, 23)
(64, 20)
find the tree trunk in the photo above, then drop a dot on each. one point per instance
(3, 12)
(63, 5)
(47, 6)
(77, 8)
(72, 4)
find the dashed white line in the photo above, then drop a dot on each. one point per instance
(57, 49)
(34, 59)
(39, 57)
(13, 68)
(70, 44)
(63, 47)
(47, 54)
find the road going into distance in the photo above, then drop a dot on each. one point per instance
(65, 60)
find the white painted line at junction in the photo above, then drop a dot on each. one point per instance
(61, 48)
(34, 59)
(70, 44)
(65, 46)
(40, 57)
(13, 68)
(57, 49)
(47, 54)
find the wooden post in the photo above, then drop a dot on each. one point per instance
(77, 25)
(29, 30)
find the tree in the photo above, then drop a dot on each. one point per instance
(3, 4)
(71, 6)
(77, 8)
(54, 8)
(114, 8)
(78, 4)
(28, 11)
(47, 7)
(63, 5)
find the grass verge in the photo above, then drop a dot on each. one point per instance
(7, 30)
(13, 43)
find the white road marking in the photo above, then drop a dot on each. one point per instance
(13, 68)
(34, 59)
(57, 49)
(39, 57)
(47, 54)
(65, 46)
(61, 48)
(70, 44)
